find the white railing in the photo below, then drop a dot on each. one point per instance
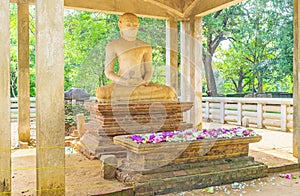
(260, 112)
(14, 108)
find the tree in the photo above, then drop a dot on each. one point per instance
(260, 40)
(233, 69)
(215, 30)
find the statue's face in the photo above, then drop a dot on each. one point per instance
(129, 26)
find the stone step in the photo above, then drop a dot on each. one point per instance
(186, 177)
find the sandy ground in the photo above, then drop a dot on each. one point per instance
(83, 178)
(83, 175)
(273, 185)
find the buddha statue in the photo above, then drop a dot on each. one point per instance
(132, 82)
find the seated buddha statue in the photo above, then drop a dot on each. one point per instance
(132, 82)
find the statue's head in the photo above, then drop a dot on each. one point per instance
(128, 25)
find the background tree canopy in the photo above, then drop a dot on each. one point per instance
(247, 47)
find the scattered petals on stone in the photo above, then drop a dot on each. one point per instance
(191, 135)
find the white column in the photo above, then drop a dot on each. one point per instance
(50, 97)
(198, 72)
(172, 53)
(185, 82)
(5, 132)
(296, 83)
(23, 72)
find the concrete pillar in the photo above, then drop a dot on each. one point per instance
(296, 83)
(5, 132)
(198, 72)
(23, 72)
(192, 69)
(172, 53)
(185, 80)
(50, 97)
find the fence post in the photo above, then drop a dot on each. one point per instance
(222, 112)
(239, 113)
(283, 120)
(207, 110)
(259, 116)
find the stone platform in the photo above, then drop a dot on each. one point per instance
(112, 119)
(174, 167)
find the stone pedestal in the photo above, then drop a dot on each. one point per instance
(173, 167)
(112, 119)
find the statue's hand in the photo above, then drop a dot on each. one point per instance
(144, 82)
(134, 82)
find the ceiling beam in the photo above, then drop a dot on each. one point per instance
(172, 10)
(191, 7)
(205, 7)
(141, 8)
(145, 8)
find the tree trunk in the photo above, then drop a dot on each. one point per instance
(240, 86)
(211, 83)
(240, 82)
(260, 82)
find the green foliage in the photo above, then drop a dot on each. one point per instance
(260, 49)
(259, 53)
(14, 50)
(71, 110)
(86, 34)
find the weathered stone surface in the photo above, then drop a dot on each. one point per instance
(175, 167)
(94, 146)
(108, 166)
(112, 119)
(183, 177)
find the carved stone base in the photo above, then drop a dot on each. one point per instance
(94, 146)
(113, 119)
(166, 167)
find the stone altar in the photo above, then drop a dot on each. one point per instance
(163, 168)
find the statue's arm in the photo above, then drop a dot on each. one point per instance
(148, 64)
(110, 58)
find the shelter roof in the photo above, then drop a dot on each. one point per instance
(179, 9)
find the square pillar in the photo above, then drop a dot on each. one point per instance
(23, 72)
(185, 79)
(191, 68)
(172, 53)
(50, 97)
(5, 131)
(296, 82)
